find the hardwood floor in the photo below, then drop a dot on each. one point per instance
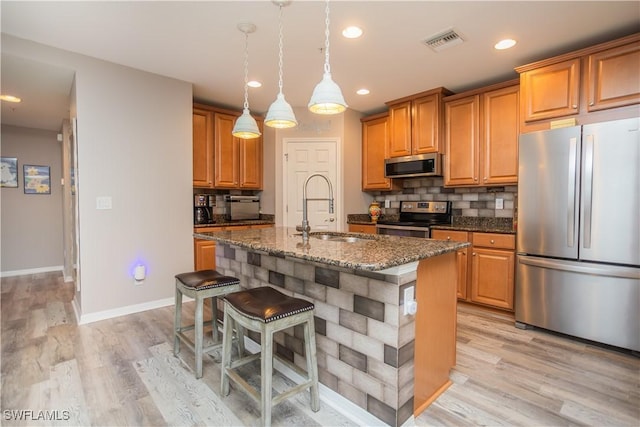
(122, 372)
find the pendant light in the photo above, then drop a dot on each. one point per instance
(246, 126)
(327, 97)
(280, 114)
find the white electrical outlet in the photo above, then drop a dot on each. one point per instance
(387, 203)
(409, 300)
(499, 203)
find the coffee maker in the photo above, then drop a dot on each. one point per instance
(202, 209)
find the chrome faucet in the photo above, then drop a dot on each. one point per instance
(305, 221)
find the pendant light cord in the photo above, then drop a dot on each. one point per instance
(246, 70)
(327, 68)
(280, 47)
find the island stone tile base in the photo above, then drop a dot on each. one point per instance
(365, 345)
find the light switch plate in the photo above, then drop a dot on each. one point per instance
(103, 202)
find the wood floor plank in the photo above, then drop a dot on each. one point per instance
(121, 372)
(191, 402)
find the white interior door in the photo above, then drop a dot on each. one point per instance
(304, 158)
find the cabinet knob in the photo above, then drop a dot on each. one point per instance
(448, 237)
(492, 241)
(592, 103)
(475, 179)
(574, 106)
(474, 254)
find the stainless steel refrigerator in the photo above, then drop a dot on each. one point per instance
(578, 240)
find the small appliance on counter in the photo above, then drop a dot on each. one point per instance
(202, 212)
(242, 207)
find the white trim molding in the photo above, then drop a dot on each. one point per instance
(31, 271)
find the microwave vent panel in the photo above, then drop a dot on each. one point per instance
(443, 40)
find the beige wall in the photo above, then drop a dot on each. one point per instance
(31, 232)
(134, 145)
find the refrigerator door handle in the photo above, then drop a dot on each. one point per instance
(599, 270)
(571, 192)
(588, 190)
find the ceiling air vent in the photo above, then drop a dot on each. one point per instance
(443, 40)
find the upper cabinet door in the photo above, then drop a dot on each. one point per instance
(202, 148)
(500, 129)
(226, 152)
(251, 162)
(551, 91)
(375, 147)
(462, 141)
(614, 77)
(426, 124)
(400, 129)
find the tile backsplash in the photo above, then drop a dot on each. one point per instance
(467, 201)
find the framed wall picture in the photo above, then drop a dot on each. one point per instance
(37, 179)
(9, 172)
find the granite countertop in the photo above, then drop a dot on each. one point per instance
(372, 253)
(479, 224)
(225, 223)
(461, 223)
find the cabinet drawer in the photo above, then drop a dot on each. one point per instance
(456, 236)
(494, 240)
(362, 228)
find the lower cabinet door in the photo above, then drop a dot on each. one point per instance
(492, 277)
(205, 254)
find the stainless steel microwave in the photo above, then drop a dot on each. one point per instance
(413, 166)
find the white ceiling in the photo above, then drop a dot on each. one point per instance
(199, 42)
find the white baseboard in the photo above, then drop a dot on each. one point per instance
(31, 271)
(129, 309)
(341, 404)
(122, 311)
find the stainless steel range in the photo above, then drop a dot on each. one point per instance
(416, 218)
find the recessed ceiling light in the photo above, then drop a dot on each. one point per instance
(10, 98)
(362, 91)
(254, 83)
(505, 44)
(352, 32)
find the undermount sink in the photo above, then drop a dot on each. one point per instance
(337, 237)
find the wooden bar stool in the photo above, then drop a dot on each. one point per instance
(200, 285)
(267, 311)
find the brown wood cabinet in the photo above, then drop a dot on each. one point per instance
(219, 159)
(462, 257)
(481, 136)
(491, 266)
(551, 91)
(238, 162)
(202, 148)
(362, 228)
(415, 123)
(613, 78)
(592, 84)
(493, 269)
(205, 250)
(375, 148)
(204, 254)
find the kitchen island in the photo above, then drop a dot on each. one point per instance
(390, 364)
